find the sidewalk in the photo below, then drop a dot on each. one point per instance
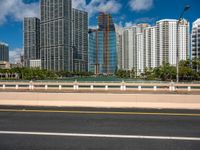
(101, 100)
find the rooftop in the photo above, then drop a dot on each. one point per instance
(168, 20)
(196, 23)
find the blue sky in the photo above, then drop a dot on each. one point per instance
(125, 13)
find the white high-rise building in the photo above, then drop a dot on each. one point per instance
(129, 43)
(144, 46)
(196, 39)
(119, 32)
(130, 47)
(184, 40)
(150, 53)
(167, 41)
(140, 53)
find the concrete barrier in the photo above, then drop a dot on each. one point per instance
(106, 86)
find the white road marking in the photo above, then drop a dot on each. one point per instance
(102, 135)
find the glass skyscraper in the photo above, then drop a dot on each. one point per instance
(56, 35)
(80, 40)
(64, 41)
(4, 52)
(102, 46)
(31, 40)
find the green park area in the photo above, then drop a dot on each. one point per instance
(188, 71)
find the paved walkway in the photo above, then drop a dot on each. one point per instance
(101, 100)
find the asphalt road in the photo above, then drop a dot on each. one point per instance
(29, 128)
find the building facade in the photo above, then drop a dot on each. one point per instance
(31, 29)
(140, 53)
(102, 46)
(196, 39)
(134, 50)
(35, 63)
(63, 34)
(150, 53)
(167, 41)
(145, 46)
(119, 32)
(4, 65)
(56, 35)
(80, 40)
(4, 52)
(129, 48)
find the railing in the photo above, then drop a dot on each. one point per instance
(118, 86)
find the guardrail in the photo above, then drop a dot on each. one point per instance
(118, 86)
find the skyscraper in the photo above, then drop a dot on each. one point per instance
(56, 35)
(31, 40)
(4, 52)
(134, 48)
(102, 46)
(129, 48)
(64, 40)
(167, 41)
(119, 32)
(150, 54)
(140, 53)
(144, 46)
(80, 40)
(196, 39)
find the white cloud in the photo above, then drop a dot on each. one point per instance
(145, 20)
(129, 24)
(119, 25)
(79, 4)
(15, 54)
(93, 27)
(96, 6)
(140, 5)
(135, 22)
(124, 25)
(17, 9)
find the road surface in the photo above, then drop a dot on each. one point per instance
(31, 128)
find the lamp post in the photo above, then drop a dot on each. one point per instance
(187, 7)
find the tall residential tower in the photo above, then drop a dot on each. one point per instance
(134, 49)
(31, 40)
(196, 39)
(80, 40)
(145, 46)
(63, 33)
(56, 35)
(167, 41)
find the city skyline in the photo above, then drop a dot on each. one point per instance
(125, 13)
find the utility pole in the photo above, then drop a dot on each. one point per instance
(187, 7)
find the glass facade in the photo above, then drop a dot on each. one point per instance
(64, 36)
(80, 40)
(4, 52)
(31, 40)
(56, 35)
(102, 47)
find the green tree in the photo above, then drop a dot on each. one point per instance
(165, 72)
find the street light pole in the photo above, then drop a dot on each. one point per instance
(187, 7)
